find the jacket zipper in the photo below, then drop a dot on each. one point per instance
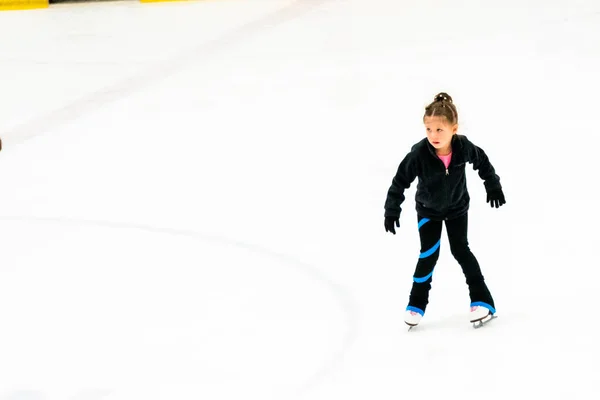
(445, 182)
(447, 172)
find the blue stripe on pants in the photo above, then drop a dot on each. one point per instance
(415, 309)
(431, 250)
(424, 279)
(482, 304)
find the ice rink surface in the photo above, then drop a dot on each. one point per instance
(191, 202)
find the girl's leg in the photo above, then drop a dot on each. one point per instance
(459, 246)
(430, 233)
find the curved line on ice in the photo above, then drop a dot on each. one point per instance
(345, 299)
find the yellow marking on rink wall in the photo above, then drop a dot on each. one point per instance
(23, 4)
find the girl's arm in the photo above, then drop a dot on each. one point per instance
(483, 166)
(406, 174)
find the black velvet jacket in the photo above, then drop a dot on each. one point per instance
(441, 193)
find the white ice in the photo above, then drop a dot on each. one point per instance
(191, 200)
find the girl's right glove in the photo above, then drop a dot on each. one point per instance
(496, 198)
(389, 224)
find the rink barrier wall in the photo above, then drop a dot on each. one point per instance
(161, 1)
(8, 5)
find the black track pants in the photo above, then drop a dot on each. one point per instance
(430, 233)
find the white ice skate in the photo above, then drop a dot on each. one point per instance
(412, 318)
(480, 316)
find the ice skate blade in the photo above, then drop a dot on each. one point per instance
(410, 326)
(482, 318)
(484, 321)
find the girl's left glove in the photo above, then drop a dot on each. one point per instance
(496, 198)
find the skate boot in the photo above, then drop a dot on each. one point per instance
(412, 316)
(480, 315)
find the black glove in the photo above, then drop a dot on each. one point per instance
(496, 198)
(389, 224)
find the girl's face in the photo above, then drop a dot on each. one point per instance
(439, 133)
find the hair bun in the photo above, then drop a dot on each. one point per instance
(443, 97)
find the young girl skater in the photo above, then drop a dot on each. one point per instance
(439, 162)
